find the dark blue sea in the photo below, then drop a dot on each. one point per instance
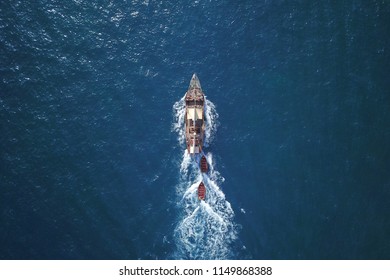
(92, 156)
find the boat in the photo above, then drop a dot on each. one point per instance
(201, 191)
(203, 164)
(194, 117)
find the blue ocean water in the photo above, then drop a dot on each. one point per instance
(93, 167)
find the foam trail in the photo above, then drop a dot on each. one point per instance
(185, 163)
(178, 124)
(205, 229)
(211, 119)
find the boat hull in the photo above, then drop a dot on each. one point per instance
(203, 165)
(201, 191)
(194, 117)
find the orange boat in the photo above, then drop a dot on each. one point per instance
(203, 165)
(201, 191)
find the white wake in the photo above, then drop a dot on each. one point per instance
(205, 229)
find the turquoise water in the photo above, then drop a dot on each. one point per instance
(92, 163)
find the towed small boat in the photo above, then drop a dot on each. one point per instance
(203, 165)
(201, 191)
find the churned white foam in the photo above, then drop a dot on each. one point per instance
(190, 192)
(185, 163)
(211, 120)
(179, 110)
(205, 229)
(213, 174)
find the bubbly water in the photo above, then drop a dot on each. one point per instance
(205, 229)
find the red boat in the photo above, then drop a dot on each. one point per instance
(203, 165)
(201, 191)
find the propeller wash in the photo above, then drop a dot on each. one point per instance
(205, 228)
